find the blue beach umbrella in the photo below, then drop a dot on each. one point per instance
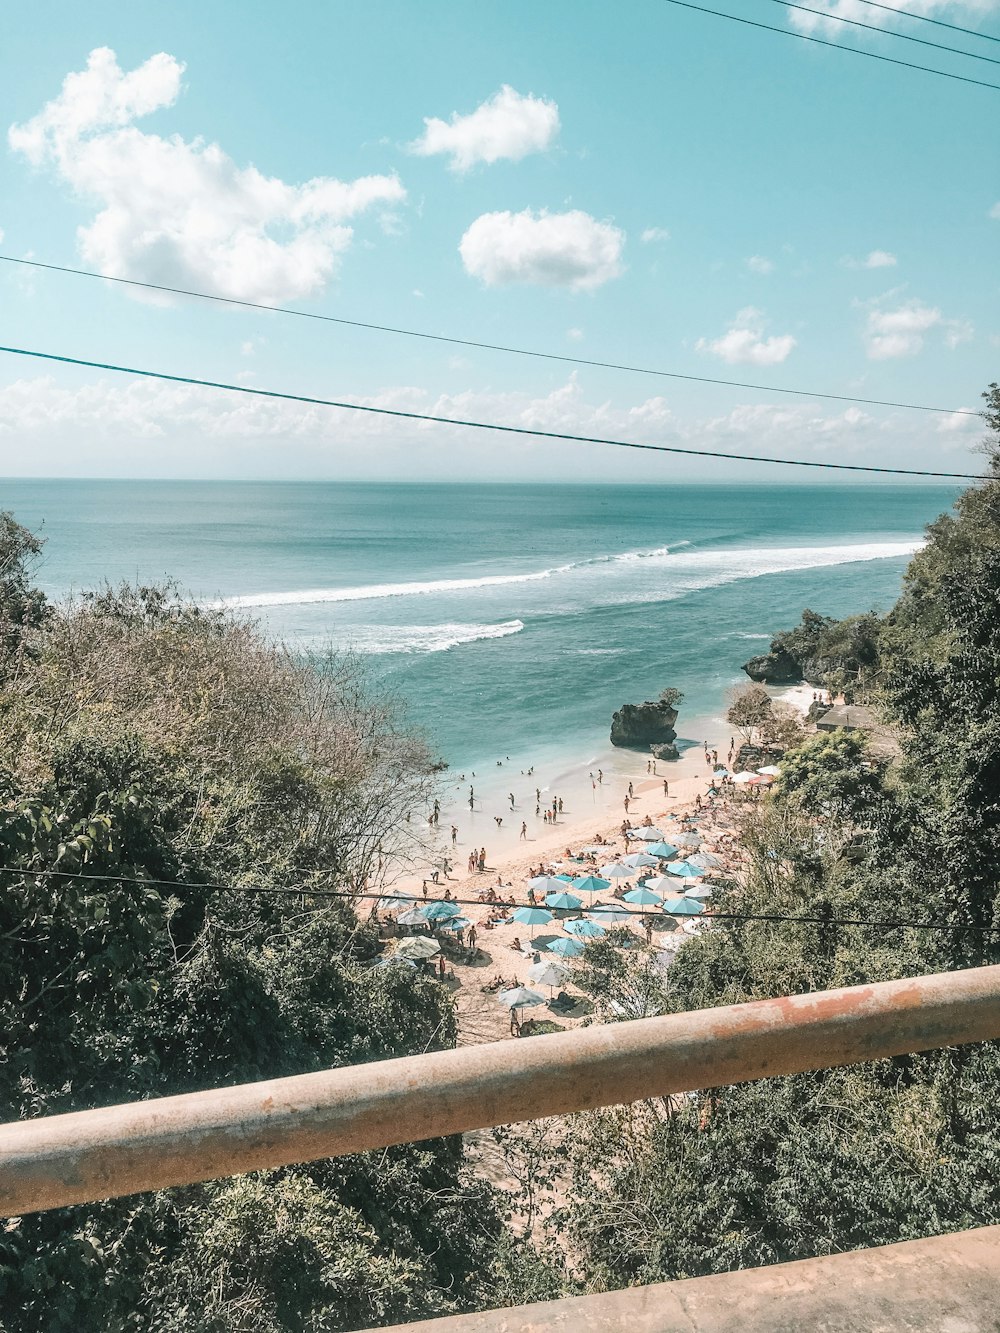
(685, 870)
(584, 930)
(643, 897)
(682, 907)
(441, 911)
(566, 948)
(564, 902)
(591, 884)
(661, 849)
(456, 923)
(532, 916)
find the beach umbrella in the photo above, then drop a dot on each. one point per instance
(642, 896)
(699, 891)
(617, 870)
(745, 777)
(770, 771)
(681, 907)
(441, 911)
(566, 948)
(548, 973)
(419, 948)
(547, 884)
(661, 884)
(645, 834)
(591, 884)
(720, 772)
(690, 840)
(395, 898)
(661, 849)
(685, 870)
(611, 913)
(394, 960)
(520, 998)
(637, 859)
(456, 923)
(706, 860)
(564, 902)
(414, 917)
(532, 916)
(585, 930)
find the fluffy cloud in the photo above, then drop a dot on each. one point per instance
(759, 264)
(183, 213)
(506, 128)
(899, 332)
(864, 13)
(182, 430)
(879, 259)
(745, 343)
(570, 250)
(652, 234)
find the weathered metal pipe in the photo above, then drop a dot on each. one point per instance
(87, 1155)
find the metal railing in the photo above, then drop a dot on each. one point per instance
(88, 1155)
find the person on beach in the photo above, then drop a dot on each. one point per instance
(538, 809)
(515, 1026)
(559, 803)
(511, 796)
(482, 858)
(626, 805)
(630, 792)
(497, 820)
(472, 936)
(524, 831)
(454, 836)
(666, 787)
(600, 775)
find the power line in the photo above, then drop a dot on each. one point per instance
(818, 41)
(885, 32)
(470, 342)
(479, 903)
(938, 23)
(490, 425)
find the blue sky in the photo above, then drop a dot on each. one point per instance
(633, 183)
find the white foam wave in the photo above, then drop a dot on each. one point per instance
(694, 569)
(411, 638)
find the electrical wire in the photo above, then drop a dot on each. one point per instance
(479, 903)
(885, 32)
(818, 41)
(924, 18)
(470, 342)
(490, 425)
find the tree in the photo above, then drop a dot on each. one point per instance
(672, 697)
(749, 710)
(22, 606)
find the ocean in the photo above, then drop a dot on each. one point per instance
(510, 619)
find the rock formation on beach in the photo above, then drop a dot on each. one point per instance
(638, 726)
(820, 650)
(776, 668)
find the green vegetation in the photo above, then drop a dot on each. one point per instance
(144, 737)
(818, 1163)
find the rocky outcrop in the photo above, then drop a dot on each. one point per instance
(776, 668)
(638, 726)
(668, 751)
(751, 757)
(816, 711)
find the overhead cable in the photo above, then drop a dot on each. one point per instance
(925, 18)
(837, 46)
(885, 32)
(481, 346)
(893, 923)
(527, 431)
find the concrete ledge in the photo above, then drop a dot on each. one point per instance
(949, 1284)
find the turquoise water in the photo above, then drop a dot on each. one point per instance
(511, 619)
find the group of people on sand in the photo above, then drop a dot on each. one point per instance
(477, 860)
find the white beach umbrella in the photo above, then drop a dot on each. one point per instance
(636, 859)
(746, 777)
(414, 917)
(770, 771)
(548, 884)
(662, 884)
(520, 997)
(548, 973)
(617, 870)
(610, 913)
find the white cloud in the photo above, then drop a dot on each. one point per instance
(879, 259)
(995, 212)
(899, 332)
(570, 250)
(146, 428)
(744, 342)
(183, 213)
(960, 422)
(652, 234)
(759, 264)
(861, 12)
(506, 128)
(574, 335)
(957, 332)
